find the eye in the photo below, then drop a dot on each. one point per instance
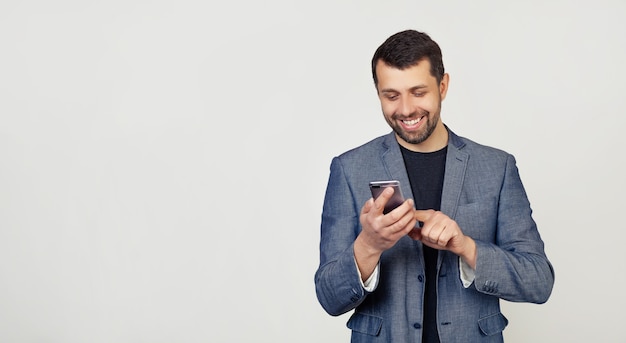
(391, 97)
(419, 94)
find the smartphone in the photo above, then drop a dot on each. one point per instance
(396, 199)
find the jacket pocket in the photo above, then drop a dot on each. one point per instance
(493, 324)
(365, 323)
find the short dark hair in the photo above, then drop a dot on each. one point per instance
(405, 49)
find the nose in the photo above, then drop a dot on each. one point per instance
(406, 108)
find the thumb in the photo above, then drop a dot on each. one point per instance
(382, 199)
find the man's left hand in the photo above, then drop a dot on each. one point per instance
(442, 233)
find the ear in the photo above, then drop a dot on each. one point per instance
(443, 85)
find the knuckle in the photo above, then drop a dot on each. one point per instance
(393, 215)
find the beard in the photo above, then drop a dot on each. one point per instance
(414, 137)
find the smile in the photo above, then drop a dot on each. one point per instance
(412, 122)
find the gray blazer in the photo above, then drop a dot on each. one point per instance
(483, 193)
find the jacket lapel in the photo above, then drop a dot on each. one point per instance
(394, 164)
(456, 164)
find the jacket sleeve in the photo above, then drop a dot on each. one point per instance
(515, 268)
(337, 282)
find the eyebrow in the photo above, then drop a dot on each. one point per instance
(412, 89)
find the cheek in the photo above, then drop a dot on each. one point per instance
(388, 109)
(425, 106)
(434, 104)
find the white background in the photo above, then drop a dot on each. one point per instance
(163, 164)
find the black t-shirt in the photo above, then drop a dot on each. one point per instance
(426, 172)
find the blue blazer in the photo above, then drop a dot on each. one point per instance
(483, 193)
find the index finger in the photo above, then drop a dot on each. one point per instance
(423, 215)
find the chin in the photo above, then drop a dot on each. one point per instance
(412, 139)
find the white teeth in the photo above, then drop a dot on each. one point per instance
(412, 122)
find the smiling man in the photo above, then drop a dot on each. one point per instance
(434, 268)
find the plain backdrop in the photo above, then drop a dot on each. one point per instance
(163, 163)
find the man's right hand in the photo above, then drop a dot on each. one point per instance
(381, 231)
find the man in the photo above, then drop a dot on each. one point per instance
(434, 274)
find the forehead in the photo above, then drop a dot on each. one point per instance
(393, 78)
